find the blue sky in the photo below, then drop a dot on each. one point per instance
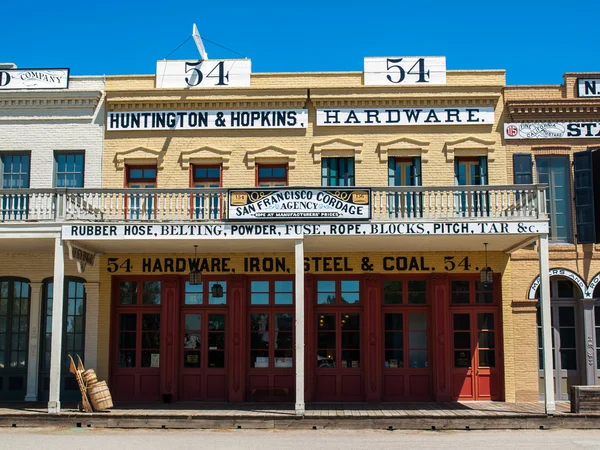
(536, 42)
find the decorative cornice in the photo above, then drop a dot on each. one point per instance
(469, 146)
(548, 110)
(403, 147)
(271, 154)
(205, 155)
(337, 148)
(51, 100)
(138, 156)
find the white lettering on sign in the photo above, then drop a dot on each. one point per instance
(404, 70)
(588, 87)
(551, 130)
(203, 74)
(295, 231)
(34, 79)
(263, 204)
(405, 116)
(209, 119)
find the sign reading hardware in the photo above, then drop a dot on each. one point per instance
(210, 119)
(300, 204)
(405, 116)
(294, 231)
(34, 79)
(203, 74)
(402, 70)
(588, 87)
(552, 130)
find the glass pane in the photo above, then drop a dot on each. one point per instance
(394, 358)
(351, 359)
(216, 341)
(486, 339)
(393, 321)
(191, 360)
(350, 322)
(462, 322)
(284, 322)
(326, 322)
(259, 299)
(392, 292)
(567, 338)
(326, 359)
(216, 359)
(126, 358)
(351, 340)
(150, 322)
(326, 299)
(394, 339)
(127, 322)
(259, 286)
(417, 339)
(417, 321)
(485, 321)
(192, 321)
(150, 358)
(151, 294)
(191, 340)
(217, 292)
(487, 358)
(566, 316)
(350, 297)
(460, 291)
(326, 339)
(193, 293)
(462, 340)
(216, 322)
(417, 359)
(350, 286)
(417, 294)
(462, 358)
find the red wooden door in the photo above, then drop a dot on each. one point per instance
(203, 348)
(475, 355)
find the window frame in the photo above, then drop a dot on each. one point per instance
(272, 181)
(76, 153)
(4, 154)
(326, 178)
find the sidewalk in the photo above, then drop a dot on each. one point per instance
(430, 416)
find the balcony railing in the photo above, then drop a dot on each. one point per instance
(210, 205)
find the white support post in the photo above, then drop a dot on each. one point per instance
(57, 323)
(299, 267)
(546, 325)
(33, 357)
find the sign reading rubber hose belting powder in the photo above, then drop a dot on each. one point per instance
(292, 204)
(207, 119)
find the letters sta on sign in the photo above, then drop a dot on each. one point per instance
(404, 70)
(203, 74)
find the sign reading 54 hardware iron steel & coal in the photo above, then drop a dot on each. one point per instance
(289, 204)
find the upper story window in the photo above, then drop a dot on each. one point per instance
(271, 175)
(554, 171)
(15, 169)
(68, 169)
(471, 171)
(337, 172)
(140, 177)
(404, 171)
(206, 176)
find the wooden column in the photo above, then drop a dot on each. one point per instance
(33, 356)
(169, 361)
(373, 329)
(57, 326)
(309, 338)
(545, 313)
(237, 339)
(299, 332)
(442, 339)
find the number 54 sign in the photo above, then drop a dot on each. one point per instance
(403, 70)
(203, 74)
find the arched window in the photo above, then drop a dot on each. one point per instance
(73, 342)
(15, 297)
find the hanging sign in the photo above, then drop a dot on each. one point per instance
(292, 204)
(296, 231)
(34, 79)
(403, 70)
(551, 130)
(82, 256)
(203, 74)
(588, 87)
(405, 116)
(208, 119)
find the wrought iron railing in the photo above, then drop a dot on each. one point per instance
(210, 205)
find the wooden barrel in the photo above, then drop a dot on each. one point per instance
(89, 377)
(100, 396)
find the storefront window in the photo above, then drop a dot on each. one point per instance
(150, 340)
(462, 340)
(341, 329)
(216, 340)
(195, 294)
(338, 292)
(326, 341)
(465, 292)
(394, 341)
(487, 346)
(127, 340)
(417, 340)
(192, 340)
(397, 343)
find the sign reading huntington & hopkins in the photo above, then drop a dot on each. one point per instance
(34, 79)
(551, 130)
(209, 119)
(299, 203)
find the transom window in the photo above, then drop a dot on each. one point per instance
(337, 172)
(338, 292)
(69, 168)
(411, 292)
(140, 293)
(465, 292)
(271, 292)
(198, 294)
(271, 175)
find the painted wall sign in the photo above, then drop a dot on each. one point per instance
(293, 231)
(551, 130)
(558, 272)
(404, 70)
(203, 74)
(405, 116)
(34, 79)
(208, 119)
(316, 263)
(286, 204)
(588, 87)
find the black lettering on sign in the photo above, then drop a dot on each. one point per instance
(405, 263)
(114, 266)
(264, 265)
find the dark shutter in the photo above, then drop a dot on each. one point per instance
(522, 168)
(416, 162)
(584, 197)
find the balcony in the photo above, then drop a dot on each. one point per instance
(388, 204)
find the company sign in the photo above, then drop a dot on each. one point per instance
(207, 120)
(551, 130)
(296, 231)
(588, 87)
(289, 204)
(203, 74)
(405, 116)
(34, 79)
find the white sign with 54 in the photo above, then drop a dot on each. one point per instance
(203, 74)
(403, 70)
